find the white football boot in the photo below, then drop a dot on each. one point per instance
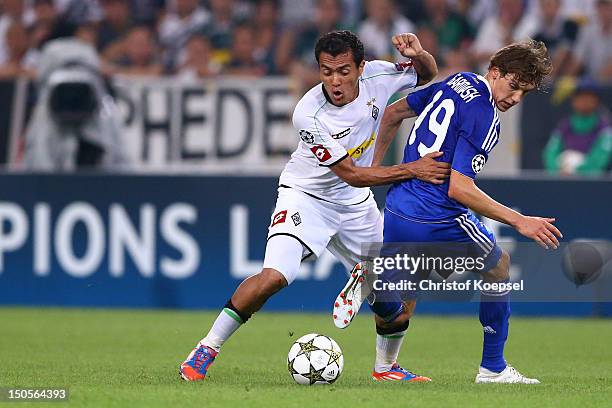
(509, 376)
(352, 296)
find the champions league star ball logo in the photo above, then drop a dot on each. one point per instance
(478, 163)
(306, 136)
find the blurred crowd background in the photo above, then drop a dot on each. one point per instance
(204, 38)
(199, 39)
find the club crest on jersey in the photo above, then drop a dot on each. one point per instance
(478, 163)
(279, 218)
(306, 136)
(321, 153)
(375, 109)
(340, 135)
(297, 220)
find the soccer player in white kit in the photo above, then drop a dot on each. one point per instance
(323, 196)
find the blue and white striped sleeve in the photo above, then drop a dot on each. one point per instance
(478, 133)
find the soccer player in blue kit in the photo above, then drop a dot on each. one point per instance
(459, 117)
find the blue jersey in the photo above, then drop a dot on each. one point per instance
(457, 117)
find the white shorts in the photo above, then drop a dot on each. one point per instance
(319, 224)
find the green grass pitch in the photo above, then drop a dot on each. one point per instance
(129, 358)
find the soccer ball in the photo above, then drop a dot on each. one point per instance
(315, 359)
(582, 262)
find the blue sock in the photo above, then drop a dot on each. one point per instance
(494, 315)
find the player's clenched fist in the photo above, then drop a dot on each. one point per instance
(407, 44)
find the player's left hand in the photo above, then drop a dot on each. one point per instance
(407, 44)
(428, 169)
(541, 230)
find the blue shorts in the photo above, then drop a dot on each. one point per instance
(463, 237)
(466, 229)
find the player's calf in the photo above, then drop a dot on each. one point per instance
(400, 319)
(248, 298)
(254, 291)
(389, 338)
(501, 271)
(494, 314)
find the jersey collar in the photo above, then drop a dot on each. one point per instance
(483, 79)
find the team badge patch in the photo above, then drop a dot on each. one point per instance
(478, 163)
(279, 218)
(321, 153)
(297, 220)
(375, 111)
(306, 136)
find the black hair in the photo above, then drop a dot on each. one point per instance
(335, 43)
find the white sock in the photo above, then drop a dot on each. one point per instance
(387, 350)
(226, 324)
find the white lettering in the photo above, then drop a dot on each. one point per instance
(123, 235)
(15, 216)
(42, 235)
(463, 88)
(181, 240)
(67, 220)
(240, 265)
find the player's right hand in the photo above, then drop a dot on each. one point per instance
(407, 44)
(430, 170)
(540, 230)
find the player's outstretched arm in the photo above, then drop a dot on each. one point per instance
(391, 121)
(424, 63)
(463, 189)
(426, 169)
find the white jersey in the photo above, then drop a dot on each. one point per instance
(331, 133)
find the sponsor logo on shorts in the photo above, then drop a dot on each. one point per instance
(279, 218)
(478, 163)
(306, 136)
(340, 135)
(297, 220)
(321, 153)
(356, 152)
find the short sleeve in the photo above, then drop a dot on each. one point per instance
(419, 99)
(477, 135)
(317, 139)
(394, 77)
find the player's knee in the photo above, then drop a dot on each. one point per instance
(409, 306)
(403, 318)
(400, 322)
(501, 272)
(271, 281)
